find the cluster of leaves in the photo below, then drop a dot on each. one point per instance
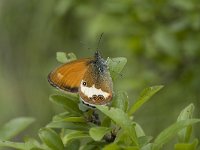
(105, 127)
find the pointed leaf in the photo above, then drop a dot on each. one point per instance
(63, 58)
(33, 142)
(51, 139)
(75, 135)
(74, 144)
(144, 97)
(21, 146)
(171, 131)
(123, 137)
(14, 127)
(68, 125)
(186, 113)
(72, 96)
(121, 119)
(186, 146)
(131, 148)
(106, 122)
(61, 116)
(15, 145)
(112, 147)
(97, 133)
(121, 101)
(73, 119)
(116, 65)
(68, 104)
(147, 147)
(144, 140)
(139, 130)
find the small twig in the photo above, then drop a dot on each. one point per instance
(93, 117)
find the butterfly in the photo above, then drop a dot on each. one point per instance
(89, 77)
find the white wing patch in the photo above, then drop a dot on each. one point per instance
(90, 91)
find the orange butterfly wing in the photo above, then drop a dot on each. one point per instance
(68, 76)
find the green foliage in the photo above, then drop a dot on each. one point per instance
(97, 133)
(51, 139)
(116, 65)
(68, 104)
(14, 127)
(104, 127)
(118, 103)
(144, 97)
(63, 58)
(171, 131)
(187, 113)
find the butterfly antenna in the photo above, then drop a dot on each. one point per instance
(99, 41)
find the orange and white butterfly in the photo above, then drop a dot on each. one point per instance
(89, 77)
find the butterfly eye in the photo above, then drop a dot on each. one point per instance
(84, 83)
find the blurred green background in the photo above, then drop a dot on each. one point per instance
(160, 38)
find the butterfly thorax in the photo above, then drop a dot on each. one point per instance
(99, 63)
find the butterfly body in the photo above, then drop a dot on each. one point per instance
(88, 77)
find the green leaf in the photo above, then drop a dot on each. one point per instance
(121, 101)
(73, 119)
(28, 145)
(74, 144)
(186, 113)
(144, 97)
(116, 65)
(14, 127)
(61, 116)
(97, 133)
(147, 147)
(123, 138)
(63, 58)
(106, 122)
(88, 147)
(171, 131)
(68, 104)
(16, 145)
(51, 139)
(75, 135)
(131, 148)
(139, 130)
(144, 140)
(121, 119)
(187, 146)
(112, 147)
(68, 125)
(72, 96)
(33, 142)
